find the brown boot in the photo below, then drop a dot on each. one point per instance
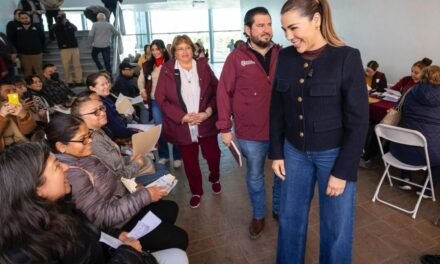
(256, 228)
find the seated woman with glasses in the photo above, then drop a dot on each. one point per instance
(99, 193)
(90, 108)
(116, 127)
(39, 222)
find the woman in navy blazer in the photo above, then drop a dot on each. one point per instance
(318, 123)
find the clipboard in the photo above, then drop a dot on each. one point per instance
(144, 142)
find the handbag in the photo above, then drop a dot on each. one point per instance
(127, 255)
(394, 115)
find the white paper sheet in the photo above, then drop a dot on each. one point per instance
(147, 224)
(109, 240)
(136, 100)
(168, 181)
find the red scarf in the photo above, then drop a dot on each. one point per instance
(158, 61)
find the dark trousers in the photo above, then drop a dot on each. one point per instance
(164, 236)
(40, 28)
(51, 15)
(435, 171)
(190, 157)
(371, 147)
(105, 55)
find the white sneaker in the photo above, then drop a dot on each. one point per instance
(163, 161)
(426, 195)
(405, 186)
(177, 164)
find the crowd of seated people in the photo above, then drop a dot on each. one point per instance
(41, 224)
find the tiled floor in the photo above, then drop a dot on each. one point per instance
(218, 228)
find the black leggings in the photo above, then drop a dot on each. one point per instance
(164, 236)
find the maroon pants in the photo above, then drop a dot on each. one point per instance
(190, 157)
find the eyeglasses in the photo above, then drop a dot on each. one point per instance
(97, 112)
(85, 140)
(184, 49)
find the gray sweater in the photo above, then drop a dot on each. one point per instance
(108, 152)
(100, 36)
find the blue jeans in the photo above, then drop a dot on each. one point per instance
(143, 113)
(163, 145)
(147, 179)
(255, 153)
(303, 170)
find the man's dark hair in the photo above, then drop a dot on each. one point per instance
(250, 14)
(47, 65)
(24, 13)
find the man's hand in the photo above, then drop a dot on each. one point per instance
(227, 138)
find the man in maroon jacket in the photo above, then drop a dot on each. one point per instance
(244, 93)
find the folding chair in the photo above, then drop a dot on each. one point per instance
(406, 137)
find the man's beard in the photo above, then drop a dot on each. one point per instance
(260, 43)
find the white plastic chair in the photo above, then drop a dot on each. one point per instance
(406, 137)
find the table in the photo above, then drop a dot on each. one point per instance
(378, 108)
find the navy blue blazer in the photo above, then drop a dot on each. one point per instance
(319, 105)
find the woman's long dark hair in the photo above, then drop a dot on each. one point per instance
(62, 128)
(160, 45)
(31, 226)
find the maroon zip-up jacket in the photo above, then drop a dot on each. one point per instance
(244, 93)
(170, 101)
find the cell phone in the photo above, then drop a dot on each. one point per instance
(13, 98)
(27, 95)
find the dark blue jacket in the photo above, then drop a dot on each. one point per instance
(421, 112)
(126, 86)
(115, 127)
(319, 105)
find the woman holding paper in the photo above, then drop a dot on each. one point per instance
(89, 107)
(186, 91)
(116, 127)
(39, 222)
(99, 193)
